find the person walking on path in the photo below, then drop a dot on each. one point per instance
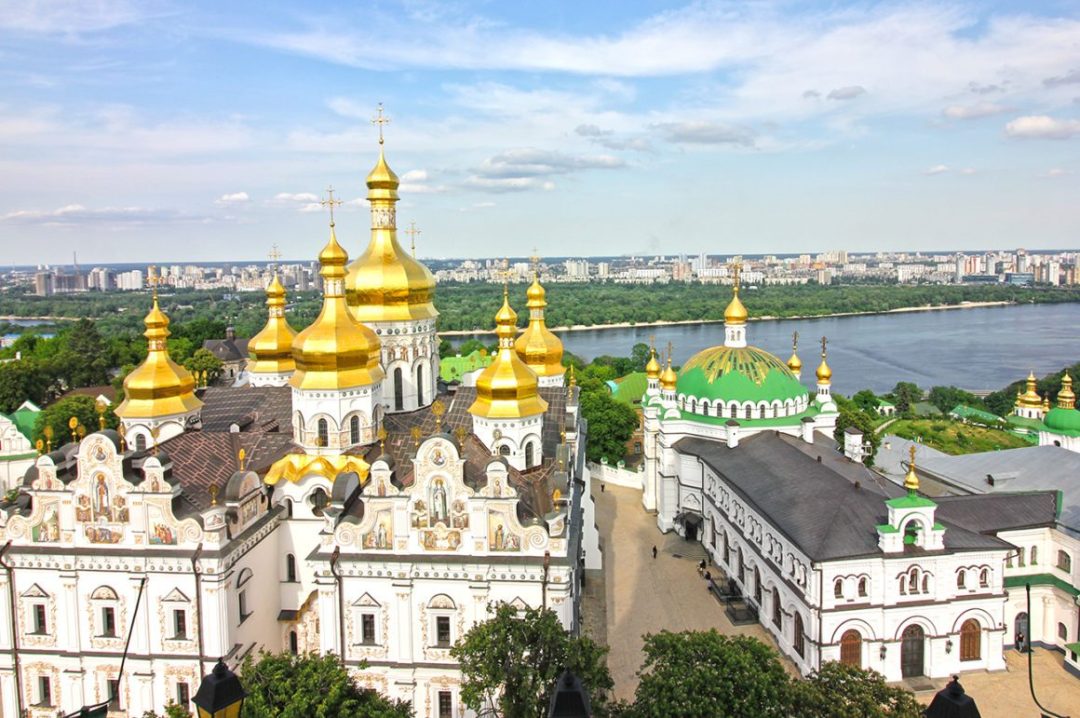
(701, 568)
(654, 552)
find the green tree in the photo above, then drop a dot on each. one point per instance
(839, 691)
(851, 415)
(58, 416)
(905, 394)
(639, 356)
(704, 674)
(172, 710)
(866, 400)
(946, 398)
(22, 380)
(283, 685)
(203, 360)
(513, 660)
(84, 359)
(611, 424)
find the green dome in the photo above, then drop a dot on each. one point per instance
(738, 374)
(1063, 421)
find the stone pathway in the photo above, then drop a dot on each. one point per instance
(645, 595)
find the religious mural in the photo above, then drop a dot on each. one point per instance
(500, 538)
(381, 535)
(48, 531)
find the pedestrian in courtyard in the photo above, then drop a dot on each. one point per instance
(701, 568)
(654, 552)
(601, 487)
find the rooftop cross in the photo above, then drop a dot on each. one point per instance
(412, 231)
(153, 279)
(379, 120)
(274, 255)
(794, 341)
(535, 261)
(824, 343)
(736, 268)
(330, 202)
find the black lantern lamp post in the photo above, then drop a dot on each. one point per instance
(220, 695)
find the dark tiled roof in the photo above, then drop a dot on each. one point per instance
(990, 513)
(253, 408)
(817, 505)
(227, 349)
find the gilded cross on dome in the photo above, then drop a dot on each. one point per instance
(274, 254)
(794, 341)
(412, 231)
(824, 343)
(153, 279)
(330, 202)
(535, 261)
(379, 120)
(736, 268)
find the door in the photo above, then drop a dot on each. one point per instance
(851, 649)
(1020, 636)
(911, 651)
(970, 641)
(691, 530)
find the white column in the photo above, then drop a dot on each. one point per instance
(403, 649)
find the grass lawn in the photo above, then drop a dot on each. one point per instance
(953, 437)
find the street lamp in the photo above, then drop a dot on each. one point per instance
(220, 695)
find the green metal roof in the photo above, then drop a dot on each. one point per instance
(1063, 421)
(964, 411)
(1041, 579)
(453, 368)
(24, 421)
(910, 502)
(738, 374)
(631, 388)
(752, 423)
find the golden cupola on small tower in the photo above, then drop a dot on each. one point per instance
(795, 363)
(336, 351)
(385, 284)
(507, 388)
(159, 394)
(538, 347)
(270, 355)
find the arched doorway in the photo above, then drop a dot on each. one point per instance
(420, 385)
(912, 645)
(970, 641)
(1020, 634)
(851, 648)
(399, 399)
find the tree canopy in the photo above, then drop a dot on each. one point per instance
(58, 417)
(839, 691)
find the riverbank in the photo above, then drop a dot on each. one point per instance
(767, 318)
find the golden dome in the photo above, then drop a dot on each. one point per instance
(507, 388)
(385, 284)
(735, 313)
(270, 350)
(336, 351)
(824, 373)
(911, 481)
(537, 346)
(158, 386)
(668, 378)
(1030, 398)
(794, 363)
(652, 369)
(1066, 398)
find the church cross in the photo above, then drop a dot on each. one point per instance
(736, 268)
(535, 260)
(379, 120)
(274, 254)
(412, 231)
(824, 343)
(153, 279)
(794, 341)
(330, 202)
(670, 350)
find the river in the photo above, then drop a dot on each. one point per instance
(976, 349)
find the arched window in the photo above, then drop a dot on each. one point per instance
(862, 587)
(903, 586)
(913, 581)
(851, 648)
(799, 639)
(140, 442)
(354, 430)
(984, 578)
(748, 411)
(294, 643)
(319, 501)
(1064, 562)
(838, 588)
(399, 400)
(290, 568)
(961, 578)
(777, 616)
(1020, 557)
(970, 640)
(1063, 632)
(504, 450)
(529, 455)
(324, 432)
(757, 586)
(926, 583)
(1034, 555)
(420, 384)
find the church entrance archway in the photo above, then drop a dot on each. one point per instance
(970, 641)
(1020, 634)
(912, 645)
(851, 649)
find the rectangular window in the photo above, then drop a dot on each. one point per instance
(183, 695)
(442, 631)
(113, 687)
(44, 691)
(179, 623)
(108, 621)
(41, 623)
(446, 704)
(367, 628)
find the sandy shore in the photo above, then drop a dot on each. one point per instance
(634, 325)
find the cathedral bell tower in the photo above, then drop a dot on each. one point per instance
(270, 360)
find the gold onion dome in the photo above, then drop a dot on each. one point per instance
(911, 481)
(794, 363)
(271, 349)
(1030, 398)
(652, 368)
(336, 351)
(385, 284)
(158, 386)
(668, 378)
(824, 373)
(736, 312)
(507, 388)
(1066, 399)
(537, 346)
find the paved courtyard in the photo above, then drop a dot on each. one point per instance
(644, 595)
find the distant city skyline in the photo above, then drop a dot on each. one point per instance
(155, 131)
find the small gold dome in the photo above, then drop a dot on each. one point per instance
(668, 378)
(336, 351)
(541, 350)
(1030, 399)
(824, 373)
(507, 388)
(385, 284)
(158, 386)
(1066, 399)
(652, 368)
(270, 350)
(735, 313)
(794, 363)
(911, 481)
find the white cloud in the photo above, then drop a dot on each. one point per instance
(233, 198)
(1042, 127)
(283, 197)
(972, 112)
(1070, 78)
(707, 133)
(1054, 172)
(936, 170)
(849, 92)
(71, 17)
(77, 214)
(968, 171)
(508, 184)
(519, 163)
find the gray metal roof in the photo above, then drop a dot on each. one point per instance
(825, 507)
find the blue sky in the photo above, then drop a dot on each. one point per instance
(160, 131)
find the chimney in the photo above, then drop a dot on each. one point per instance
(853, 444)
(230, 333)
(732, 433)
